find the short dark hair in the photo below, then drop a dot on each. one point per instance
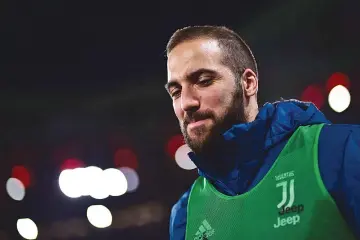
(237, 54)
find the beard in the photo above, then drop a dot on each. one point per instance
(209, 139)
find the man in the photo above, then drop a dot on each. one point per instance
(278, 172)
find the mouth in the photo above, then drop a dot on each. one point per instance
(195, 124)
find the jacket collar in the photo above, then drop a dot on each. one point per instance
(244, 146)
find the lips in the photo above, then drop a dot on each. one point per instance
(195, 124)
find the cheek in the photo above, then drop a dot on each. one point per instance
(218, 101)
(220, 104)
(177, 109)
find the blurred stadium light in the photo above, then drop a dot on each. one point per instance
(337, 87)
(115, 182)
(339, 98)
(336, 79)
(92, 181)
(182, 158)
(178, 150)
(21, 173)
(132, 178)
(125, 157)
(71, 163)
(314, 93)
(15, 189)
(68, 182)
(173, 144)
(99, 216)
(27, 228)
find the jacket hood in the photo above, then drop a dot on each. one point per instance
(246, 144)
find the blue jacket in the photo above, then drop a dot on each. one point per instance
(249, 150)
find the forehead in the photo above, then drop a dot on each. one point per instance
(192, 55)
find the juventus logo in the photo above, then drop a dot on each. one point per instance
(287, 206)
(284, 185)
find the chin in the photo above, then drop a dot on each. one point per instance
(197, 143)
(198, 135)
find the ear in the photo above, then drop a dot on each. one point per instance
(249, 83)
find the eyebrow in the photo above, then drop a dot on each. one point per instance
(170, 84)
(192, 75)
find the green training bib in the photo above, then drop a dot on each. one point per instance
(290, 202)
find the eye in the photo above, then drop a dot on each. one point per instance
(205, 82)
(175, 93)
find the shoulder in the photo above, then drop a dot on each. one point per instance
(339, 165)
(181, 204)
(178, 217)
(336, 141)
(338, 132)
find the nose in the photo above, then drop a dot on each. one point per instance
(189, 100)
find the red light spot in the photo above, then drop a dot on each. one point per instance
(314, 94)
(173, 144)
(71, 163)
(21, 173)
(337, 79)
(125, 158)
(69, 150)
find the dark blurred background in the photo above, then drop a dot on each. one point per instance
(81, 84)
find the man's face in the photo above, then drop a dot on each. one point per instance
(207, 98)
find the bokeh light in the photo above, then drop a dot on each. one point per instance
(96, 184)
(115, 182)
(339, 98)
(99, 216)
(182, 158)
(27, 228)
(90, 178)
(93, 181)
(173, 144)
(71, 163)
(125, 157)
(68, 183)
(315, 94)
(336, 79)
(21, 173)
(132, 178)
(15, 189)
(81, 178)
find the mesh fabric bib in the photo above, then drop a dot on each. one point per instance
(290, 202)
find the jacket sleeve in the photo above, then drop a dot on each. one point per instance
(339, 163)
(178, 218)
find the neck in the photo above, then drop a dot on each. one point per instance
(251, 111)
